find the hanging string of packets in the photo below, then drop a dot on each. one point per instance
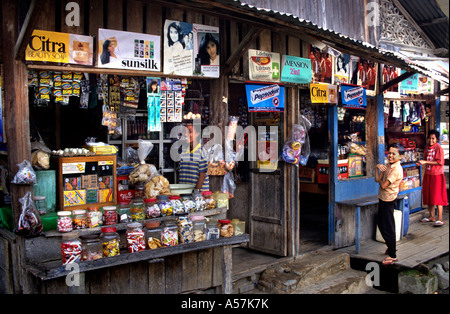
(57, 85)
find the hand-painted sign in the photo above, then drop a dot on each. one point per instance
(264, 66)
(353, 96)
(296, 70)
(323, 93)
(263, 97)
(60, 48)
(411, 83)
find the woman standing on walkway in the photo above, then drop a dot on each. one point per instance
(433, 186)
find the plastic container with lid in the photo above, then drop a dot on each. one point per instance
(109, 215)
(79, 220)
(151, 208)
(135, 237)
(212, 230)
(185, 230)
(41, 204)
(200, 203)
(210, 202)
(164, 205)
(64, 221)
(221, 199)
(188, 203)
(124, 211)
(177, 205)
(198, 225)
(169, 235)
(91, 247)
(226, 229)
(110, 241)
(94, 217)
(153, 234)
(70, 248)
(239, 226)
(137, 211)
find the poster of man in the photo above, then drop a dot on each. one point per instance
(389, 73)
(321, 64)
(367, 74)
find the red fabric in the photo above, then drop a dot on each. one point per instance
(434, 191)
(434, 153)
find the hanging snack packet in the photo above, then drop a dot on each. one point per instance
(25, 175)
(29, 223)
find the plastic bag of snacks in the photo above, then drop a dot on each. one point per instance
(296, 149)
(228, 184)
(143, 172)
(29, 223)
(25, 175)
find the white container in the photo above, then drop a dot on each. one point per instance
(398, 227)
(178, 189)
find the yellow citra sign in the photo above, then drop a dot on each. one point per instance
(323, 93)
(48, 47)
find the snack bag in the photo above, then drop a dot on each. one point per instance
(228, 184)
(25, 175)
(144, 172)
(29, 223)
(296, 149)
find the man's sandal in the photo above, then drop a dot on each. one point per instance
(426, 220)
(438, 223)
(389, 261)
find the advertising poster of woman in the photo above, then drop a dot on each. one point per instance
(178, 55)
(207, 47)
(342, 69)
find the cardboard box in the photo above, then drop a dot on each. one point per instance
(355, 166)
(306, 174)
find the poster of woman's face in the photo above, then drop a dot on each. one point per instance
(178, 46)
(321, 64)
(342, 69)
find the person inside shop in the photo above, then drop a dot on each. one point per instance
(389, 178)
(193, 162)
(434, 191)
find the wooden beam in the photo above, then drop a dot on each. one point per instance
(395, 81)
(27, 30)
(442, 92)
(251, 36)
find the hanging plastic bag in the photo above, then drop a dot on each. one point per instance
(296, 149)
(29, 223)
(216, 163)
(25, 175)
(144, 172)
(228, 184)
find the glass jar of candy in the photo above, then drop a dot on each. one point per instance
(137, 211)
(188, 203)
(209, 200)
(185, 231)
(153, 234)
(70, 248)
(197, 197)
(124, 212)
(91, 247)
(135, 237)
(169, 234)
(212, 230)
(177, 206)
(110, 241)
(64, 221)
(79, 220)
(151, 208)
(164, 205)
(225, 228)
(94, 217)
(41, 204)
(198, 225)
(109, 215)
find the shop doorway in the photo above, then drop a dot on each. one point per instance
(314, 178)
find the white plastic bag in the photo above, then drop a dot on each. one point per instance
(25, 175)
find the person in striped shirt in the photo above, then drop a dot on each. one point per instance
(194, 163)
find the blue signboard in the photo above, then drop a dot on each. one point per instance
(265, 97)
(411, 83)
(353, 96)
(296, 70)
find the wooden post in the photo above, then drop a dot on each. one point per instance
(17, 121)
(227, 267)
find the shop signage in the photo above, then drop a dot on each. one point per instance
(410, 84)
(191, 49)
(56, 47)
(127, 50)
(296, 70)
(323, 93)
(265, 97)
(264, 66)
(353, 96)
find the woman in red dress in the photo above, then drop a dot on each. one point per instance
(434, 189)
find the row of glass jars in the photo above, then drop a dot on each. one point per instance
(153, 236)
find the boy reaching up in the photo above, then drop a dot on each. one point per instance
(389, 177)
